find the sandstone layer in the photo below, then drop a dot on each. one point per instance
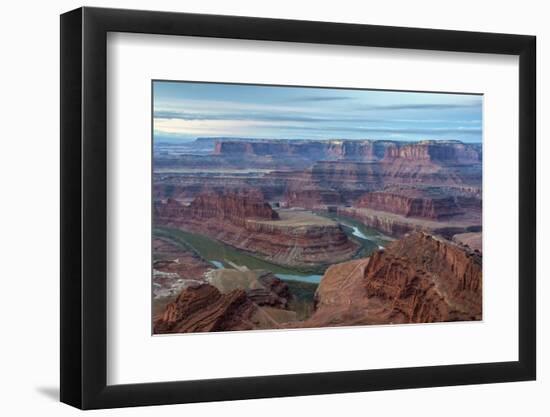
(412, 203)
(246, 222)
(418, 279)
(397, 225)
(205, 309)
(370, 150)
(262, 287)
(328, 172)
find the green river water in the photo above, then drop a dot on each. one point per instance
(225, 256)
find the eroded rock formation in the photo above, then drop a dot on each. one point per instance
(418, 279)
(412, 203)
(398, 225)
(204, 309)
(262, 287)
(366, 150)
(295, 238)
(313, 174)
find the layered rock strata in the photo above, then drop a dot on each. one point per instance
(418, 279)
(204, 308)
(366, 150)
(397, 225)
(262, 287)
(412, 203)
(292, 238)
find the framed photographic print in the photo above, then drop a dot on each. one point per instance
(258, 207)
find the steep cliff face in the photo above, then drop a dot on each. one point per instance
(418, 279)
(360, 176)
(398, 225)
(271, 148)
(411, 204)
(312, 197)
(326, 170)
(298, 239)
(449, 152)
(443, 152)
(234, 207)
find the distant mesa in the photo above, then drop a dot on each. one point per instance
(353, 150)
(313, 208)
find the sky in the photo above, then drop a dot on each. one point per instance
(187, 110)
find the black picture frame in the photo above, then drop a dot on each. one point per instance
(84, 207)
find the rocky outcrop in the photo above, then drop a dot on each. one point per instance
(262, 287)
(204, 309)
(345, 175)
(312, 197)
(272, 148)
(412, 203)
(442, 152)
(234, 207)
(315, 173)
(294, 238)
(418, 279)
(397, 225)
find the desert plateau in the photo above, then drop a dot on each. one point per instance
(285, 234)
(255, 233)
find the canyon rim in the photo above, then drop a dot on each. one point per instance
(284, 207)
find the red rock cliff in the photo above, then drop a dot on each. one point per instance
(234, 207)
(204, 309)
(248, 223)
(411, 204)
(417, 279)
(362, 150)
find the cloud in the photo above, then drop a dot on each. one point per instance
(315, 99)
(256, 116)
(207, 127)
(292, 117)
(424, 106)
(393, 130)
(267, 127)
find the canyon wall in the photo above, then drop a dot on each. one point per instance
(411, 204)
(363, 150)
(418, 279)
(318, 173)
(246, 222)
(398, 225)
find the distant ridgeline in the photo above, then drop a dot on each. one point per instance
(363, 150)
